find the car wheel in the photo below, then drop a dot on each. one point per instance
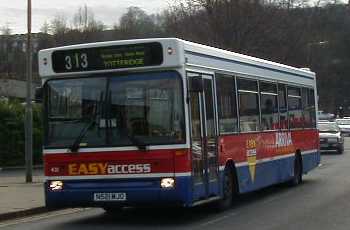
(341, 149)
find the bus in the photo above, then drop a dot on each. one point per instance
(165, 121)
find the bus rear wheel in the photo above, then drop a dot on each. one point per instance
(298, 171)
(228, 190)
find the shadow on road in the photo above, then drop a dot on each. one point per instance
(165, 218)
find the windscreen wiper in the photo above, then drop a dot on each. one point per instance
(76, 144)
(139, 144)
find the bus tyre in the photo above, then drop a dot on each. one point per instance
(228, 190)
(298, 171)
(113, 210)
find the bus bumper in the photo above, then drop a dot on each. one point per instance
(139, 192)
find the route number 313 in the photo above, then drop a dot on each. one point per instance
(76, 61)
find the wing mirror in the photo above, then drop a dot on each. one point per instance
(39, 94)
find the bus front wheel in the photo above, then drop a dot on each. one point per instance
(113, 210)
(228, 190)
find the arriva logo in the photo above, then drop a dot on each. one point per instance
(284, 139)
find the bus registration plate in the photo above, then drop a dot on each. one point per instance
(110, 196)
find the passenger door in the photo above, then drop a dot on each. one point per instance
(205, 172)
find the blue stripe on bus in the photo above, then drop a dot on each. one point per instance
(273, 172)
(311, 161)
(244, 63)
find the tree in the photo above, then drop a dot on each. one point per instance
(135, 23)
(5, 49)
(84, 21)
(45, 28)
(58, 25)
(6, 30)
(259, 28)
(59, 28)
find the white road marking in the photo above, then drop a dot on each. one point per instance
(217, 219)
(41, 217)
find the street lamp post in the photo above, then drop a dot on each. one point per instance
(29, 111)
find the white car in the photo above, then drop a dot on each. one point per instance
(331, 139)
(344, 125)
(325, 116)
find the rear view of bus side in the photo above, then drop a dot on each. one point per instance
(171, 122)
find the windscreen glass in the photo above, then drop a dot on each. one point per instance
(116, 110)
(328, 128)
(343, 122)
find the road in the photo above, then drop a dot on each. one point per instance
(321, 202)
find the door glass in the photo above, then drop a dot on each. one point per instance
(197, 154)
(210, 127)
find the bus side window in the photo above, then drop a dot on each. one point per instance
(295, 115)
(227, 109)
(312, 108)
(268, 104)
(306, 108)
(249, 115)
(282, 103)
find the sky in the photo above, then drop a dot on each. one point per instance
(13, 12)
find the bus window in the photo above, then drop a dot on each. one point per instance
(295, 114)
(148, 107)
(269, 109)
(72, 104)
(227, 110)
(248, 105)
(312, 109)
(282, 103)
(306, 108)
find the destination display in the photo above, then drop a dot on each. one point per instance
(109, 57)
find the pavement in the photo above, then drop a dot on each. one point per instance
(18, 198)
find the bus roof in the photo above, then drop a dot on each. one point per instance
(213, 52)
(181, 48)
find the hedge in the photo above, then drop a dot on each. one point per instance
(12, 134)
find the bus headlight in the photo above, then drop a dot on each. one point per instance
(167, 183)
(56, 185)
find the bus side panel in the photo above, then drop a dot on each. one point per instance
(267, 173)
(267, 158)
(308, 143)
(183, 167)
